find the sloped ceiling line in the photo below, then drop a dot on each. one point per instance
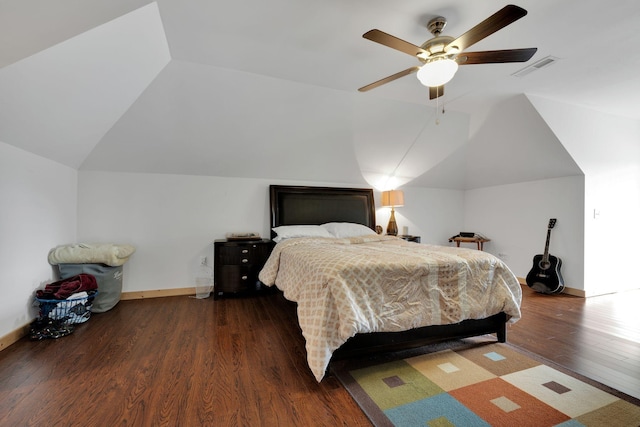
(64, 99)
(112, 98)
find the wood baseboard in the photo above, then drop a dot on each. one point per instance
(160, 293)
(17, 334)
(14, 336)
(575, 292)
(569, 291)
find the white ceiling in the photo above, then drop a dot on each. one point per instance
(268, 89)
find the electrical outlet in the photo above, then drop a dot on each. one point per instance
(203, 260)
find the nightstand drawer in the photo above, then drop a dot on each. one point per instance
(236, 265)
(236, 278)
(239, 255)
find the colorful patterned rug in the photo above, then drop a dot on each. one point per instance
(481, 384)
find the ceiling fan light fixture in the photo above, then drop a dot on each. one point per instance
(441, 55)
(437, 72)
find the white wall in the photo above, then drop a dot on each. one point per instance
(607, 149)
(37, 212)
(433, 214)
(173, 219)
(515, 217)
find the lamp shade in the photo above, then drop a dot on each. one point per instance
(393, 198)
(437, 72)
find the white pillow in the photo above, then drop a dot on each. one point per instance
(289, 231)
(343, 230)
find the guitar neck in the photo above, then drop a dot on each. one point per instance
(545, 257)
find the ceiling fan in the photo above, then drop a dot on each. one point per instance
(441, 55)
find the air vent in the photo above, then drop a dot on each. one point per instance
(544, 62)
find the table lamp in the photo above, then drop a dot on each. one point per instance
(392, 198)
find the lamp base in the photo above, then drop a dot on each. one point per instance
(392, 227)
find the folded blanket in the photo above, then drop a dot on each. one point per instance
(88, 253)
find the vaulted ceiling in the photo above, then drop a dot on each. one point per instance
(269, 89)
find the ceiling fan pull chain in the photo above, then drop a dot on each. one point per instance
(437, 104)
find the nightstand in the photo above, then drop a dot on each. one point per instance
(411, 238)
(236, 264)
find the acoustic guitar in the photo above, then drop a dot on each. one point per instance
(545, 276)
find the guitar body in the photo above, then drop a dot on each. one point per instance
(545, 277)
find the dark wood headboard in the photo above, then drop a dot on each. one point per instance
(300, 205)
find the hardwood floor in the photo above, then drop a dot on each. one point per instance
(239, 362)
(598, 337)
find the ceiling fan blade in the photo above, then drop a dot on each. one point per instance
(436, 92)
(389, 79)
(394, 42)
(496, 56)
(495, 22)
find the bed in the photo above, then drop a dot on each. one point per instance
(358, 293)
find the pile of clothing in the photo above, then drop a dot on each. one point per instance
(62, 304)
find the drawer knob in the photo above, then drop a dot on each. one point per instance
(244, 277)
(244, 260)
(245, 251)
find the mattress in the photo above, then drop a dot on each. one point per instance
(373, 283)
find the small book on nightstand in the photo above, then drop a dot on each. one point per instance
(243, 236)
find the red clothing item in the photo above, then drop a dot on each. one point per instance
(63, 289)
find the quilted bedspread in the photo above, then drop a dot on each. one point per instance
(384, 284)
